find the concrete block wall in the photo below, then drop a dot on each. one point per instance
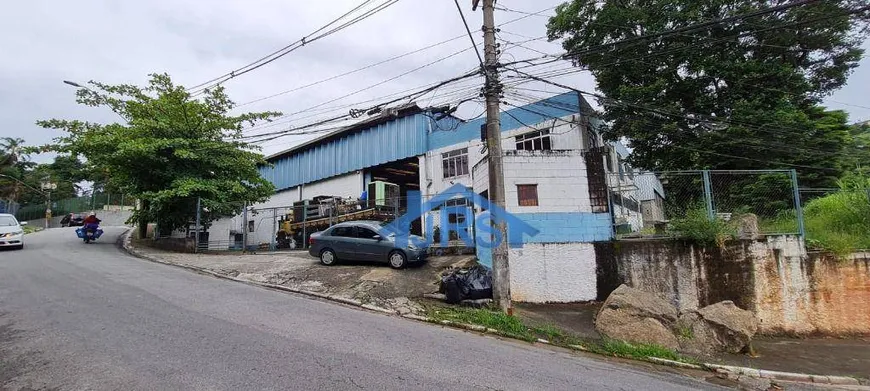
(559, 175)
(553, 272)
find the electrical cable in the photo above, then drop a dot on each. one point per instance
(291, 47)
(470, 36)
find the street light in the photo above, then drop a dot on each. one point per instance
(77, 85)
(74, 84)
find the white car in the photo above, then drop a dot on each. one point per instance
(11, 233)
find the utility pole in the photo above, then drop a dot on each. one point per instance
(196, 228)
(48, 186)
(492, 91)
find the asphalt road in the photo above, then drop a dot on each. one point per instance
(80, 317)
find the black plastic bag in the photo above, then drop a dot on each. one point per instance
(471, 284)
(477, 284)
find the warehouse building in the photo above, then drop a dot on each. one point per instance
(555, 180)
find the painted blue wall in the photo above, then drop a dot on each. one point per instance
(566, 227)
(390, 141)
(558, 227)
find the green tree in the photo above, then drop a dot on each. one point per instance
(736, 95)
(14, 163)
(173, 149)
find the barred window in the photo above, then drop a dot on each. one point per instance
(527, 195)
(454, 163)
(538, 140)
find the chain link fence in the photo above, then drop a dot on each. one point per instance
(89, 202)
(8, 206)
(645, 204)
(274, 228)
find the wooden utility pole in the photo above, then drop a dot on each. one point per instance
(492, 90)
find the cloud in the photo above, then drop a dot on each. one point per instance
(121, 42)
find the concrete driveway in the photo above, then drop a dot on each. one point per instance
(76, 316)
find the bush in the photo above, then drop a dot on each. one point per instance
(839, 222)
(699, 228)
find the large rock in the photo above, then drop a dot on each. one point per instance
(720, 327)
(638, 330)
(632, 315)
(640, 304)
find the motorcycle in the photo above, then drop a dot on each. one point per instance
(89, 232)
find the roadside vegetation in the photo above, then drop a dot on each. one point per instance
(514, 327)
(698, 228)
(840, 222)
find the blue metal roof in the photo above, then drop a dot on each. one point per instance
(384, 140)
(350, 151)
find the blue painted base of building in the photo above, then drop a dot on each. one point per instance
(558, 227)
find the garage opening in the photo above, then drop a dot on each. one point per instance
(403, 176)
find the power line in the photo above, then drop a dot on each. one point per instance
(471, 37)
(311, 37)
(359, 103)
(375, 84)
(695, 150)
(379, 106)
(351, 72)
(691, 116)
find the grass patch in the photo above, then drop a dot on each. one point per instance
(685, 332)
(697, 227)
(624, 349)
(504, 323)
(514, 327)
(30, 229)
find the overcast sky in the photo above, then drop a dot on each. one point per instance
(45, 42)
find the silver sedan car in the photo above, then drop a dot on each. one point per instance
(365, 241)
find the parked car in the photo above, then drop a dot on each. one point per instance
(364, 241)
(11, 233)
(77, 220)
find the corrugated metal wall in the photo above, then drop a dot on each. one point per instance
(394, 140)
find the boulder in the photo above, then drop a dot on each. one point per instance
(632, 315)
(639, 304)
(720, 327)
(638, 330)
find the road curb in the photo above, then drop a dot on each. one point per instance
(127, 245)
(784, 376)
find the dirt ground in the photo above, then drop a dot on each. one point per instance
(374, 283)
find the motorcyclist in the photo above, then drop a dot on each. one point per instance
(91, 222)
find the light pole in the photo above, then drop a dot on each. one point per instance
(48, 186)
(78, 85)
(74, 84)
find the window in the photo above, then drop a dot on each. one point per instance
(455, 163)
(365, 233)
(534, 141)
(345, 232)
(527, 195)
(251, 226)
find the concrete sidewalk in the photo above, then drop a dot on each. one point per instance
(370, 283)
